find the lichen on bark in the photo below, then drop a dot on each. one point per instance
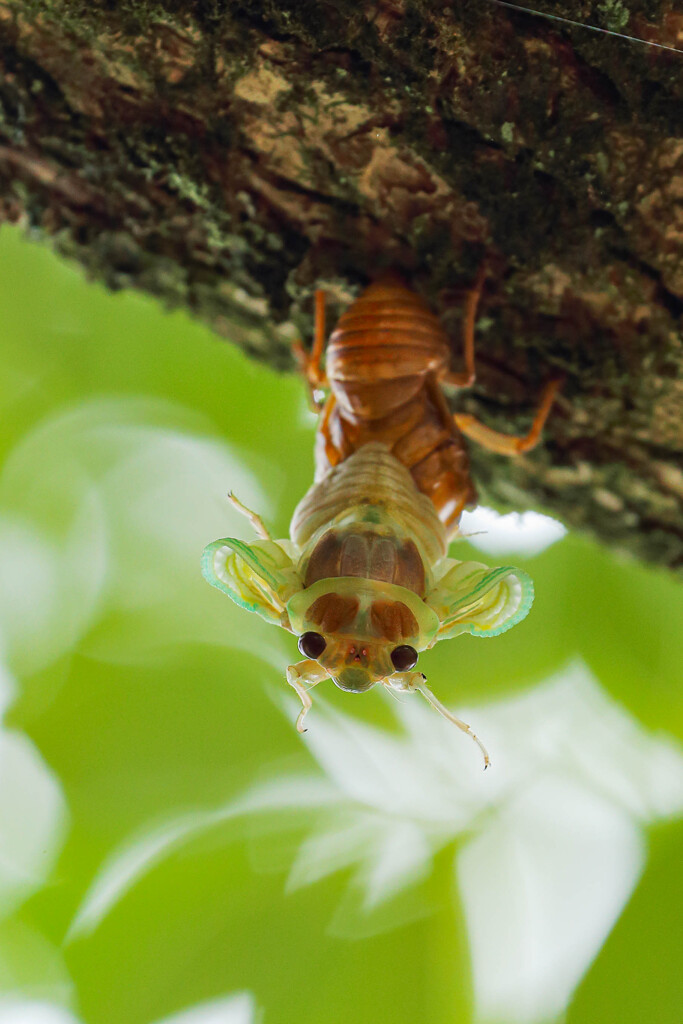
(231, 157)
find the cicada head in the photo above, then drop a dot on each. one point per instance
(361, 631)
(353, 663)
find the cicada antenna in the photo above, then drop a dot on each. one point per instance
(438, 706)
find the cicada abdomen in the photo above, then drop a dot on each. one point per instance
(364, 581)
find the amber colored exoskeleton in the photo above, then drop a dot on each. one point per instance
(364, 580)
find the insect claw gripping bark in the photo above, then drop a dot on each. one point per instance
(364, 580)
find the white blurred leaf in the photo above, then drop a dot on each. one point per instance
(123, 868)
(556, 827)
(16, 1010)
(234, 1009)
(50, 587)
(401, 858)
(542, 885)
(127, 864)
(331, 849)
(32, 819)
(104, 511)
(523, 533)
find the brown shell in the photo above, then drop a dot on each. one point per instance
(384, 360)
(389, 334)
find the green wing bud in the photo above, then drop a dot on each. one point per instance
(260, 577)
(471, 598)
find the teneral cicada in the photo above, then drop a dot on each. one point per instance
(364, 581)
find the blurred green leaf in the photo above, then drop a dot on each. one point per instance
(149, 697)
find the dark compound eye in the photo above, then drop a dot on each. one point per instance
(312, 645)
(404, 658)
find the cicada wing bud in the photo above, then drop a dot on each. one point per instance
(471, 598)
(260, 577)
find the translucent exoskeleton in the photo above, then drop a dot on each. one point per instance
(364, 580)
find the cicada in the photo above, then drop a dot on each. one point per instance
(364, 580)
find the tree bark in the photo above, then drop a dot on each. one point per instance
(232, 157)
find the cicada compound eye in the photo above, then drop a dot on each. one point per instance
(312, 644)
(404, 658)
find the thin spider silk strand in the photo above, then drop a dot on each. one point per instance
(583, 24)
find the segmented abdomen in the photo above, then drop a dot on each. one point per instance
(370, 492)
(382, 349)
(421, 435)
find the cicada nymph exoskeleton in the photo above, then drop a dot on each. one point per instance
(364, 581)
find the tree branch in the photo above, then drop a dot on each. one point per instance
(230, 157)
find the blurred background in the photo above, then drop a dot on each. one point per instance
(171, 848)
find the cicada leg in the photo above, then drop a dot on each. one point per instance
(467, 379)
(410, 682)
(333, 454)
(312, 365)
(438, 706)
(312, 674)
(259, 526)
(506, 444)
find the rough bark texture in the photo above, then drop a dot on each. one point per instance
(230, 157)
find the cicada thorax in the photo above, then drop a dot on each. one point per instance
(384, 360)
(369, 542)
